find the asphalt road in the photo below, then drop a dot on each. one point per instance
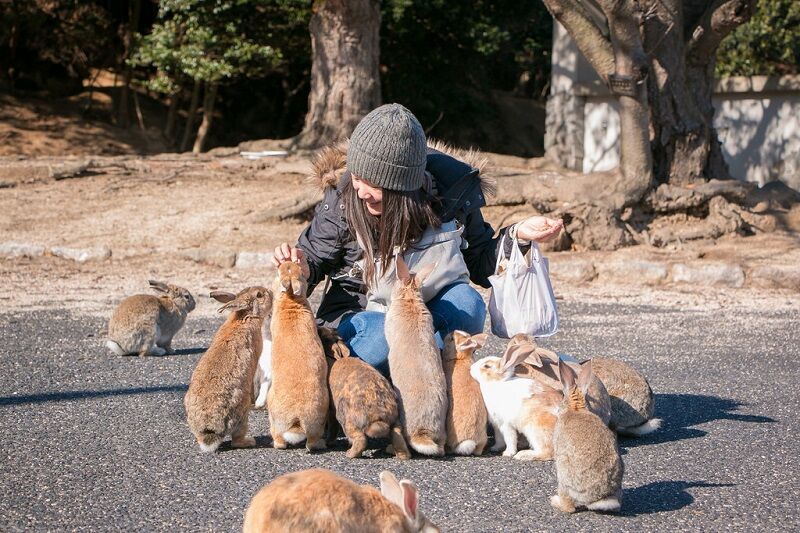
(95, 442)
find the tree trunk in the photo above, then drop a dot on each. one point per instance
(345, 80)
(208, 115)
(134, 11)
(172, 116)
(189, 127)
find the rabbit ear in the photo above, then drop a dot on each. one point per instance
(515, 355)
(158, 286)
(544, 353)
(390, 488)
(222, 297)
(463, 340)
(480, 339)
(424, 272)
(401, 269)
(410, 500)
(237, 304)
(567, 376)
(585, 377)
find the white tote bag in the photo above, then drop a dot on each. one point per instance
(522, 299)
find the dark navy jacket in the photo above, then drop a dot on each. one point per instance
(332, 250)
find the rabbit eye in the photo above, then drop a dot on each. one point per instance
(259, 294)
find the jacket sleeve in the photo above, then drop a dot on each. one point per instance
(323, 239)
(483, 248)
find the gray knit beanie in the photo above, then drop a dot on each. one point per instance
(388, 149)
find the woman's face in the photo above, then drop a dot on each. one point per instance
(371, 196)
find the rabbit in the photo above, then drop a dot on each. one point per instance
(466, 415)
(221, 390)
(415, 363)
(631, 397)
(145, 324)
(362, 400)
(588, 465)
(517, 404)
(298, 398)
(542, 365)
(263, 375)
(320, 500)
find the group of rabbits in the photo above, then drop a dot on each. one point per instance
(270, 352)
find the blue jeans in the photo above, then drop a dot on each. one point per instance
(457, 306)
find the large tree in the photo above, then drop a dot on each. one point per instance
(345, 80)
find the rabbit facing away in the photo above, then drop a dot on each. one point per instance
(466, 413)
(298, 398)
(221, 390)
(588, 465)
(320, 500)
(517, 404)
(263, 376)
(415, 363)
(541, 364)
(361, 398)
(145, 324)
(631, 397)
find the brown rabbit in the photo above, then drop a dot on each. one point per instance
(220, 394)
(466, 414)
(415, 363)
(362, 400)
(298, 398)
(145, 324)
(631, 397)
(321, 501)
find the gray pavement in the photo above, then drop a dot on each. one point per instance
(95, 442)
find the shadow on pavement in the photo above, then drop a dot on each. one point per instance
(661, 496)
(682, 411)
(85, 395)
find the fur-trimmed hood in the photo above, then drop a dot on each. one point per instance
(330, 163)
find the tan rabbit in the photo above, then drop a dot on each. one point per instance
(466, 414)
(362, 400)
(297, 400)
(588, 465)
(220, 394)
(321, 501)
(515, 404)
(145, 324)
(631, 397)
(541, 364)
(415, 363)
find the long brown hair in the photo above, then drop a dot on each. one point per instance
(405, 216)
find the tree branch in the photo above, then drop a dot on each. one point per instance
(587, 35)
(721, 18)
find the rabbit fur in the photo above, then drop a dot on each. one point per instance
(515, 404)
(466, 413)
(415, 363)
(220, 393)
(362, 400)
(320, 500)
(298, 398)
(588, 465)
(631, 397)
(145, 324)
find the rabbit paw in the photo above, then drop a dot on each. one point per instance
(509, 453)
(244, 442)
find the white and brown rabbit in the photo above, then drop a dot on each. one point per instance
(466, 414)
(516, 404)
(298, 398)
(541, 364)
(220, 394)
(415, 363)
(362, 399)
(588, 465)
(145, 324)
(263, 376)
(319, 500)
(631, 397)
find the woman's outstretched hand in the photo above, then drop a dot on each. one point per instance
(284, 253)
(539, 229)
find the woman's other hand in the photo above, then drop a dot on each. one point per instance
(284, 253)
(539, 229)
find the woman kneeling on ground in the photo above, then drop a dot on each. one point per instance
(391, 192)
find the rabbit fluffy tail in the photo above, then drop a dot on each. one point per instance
(422, 442)
(607, 505)
(115, 348)
(637, 431)
(209, 441)
(377, 429)
(465, 447)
